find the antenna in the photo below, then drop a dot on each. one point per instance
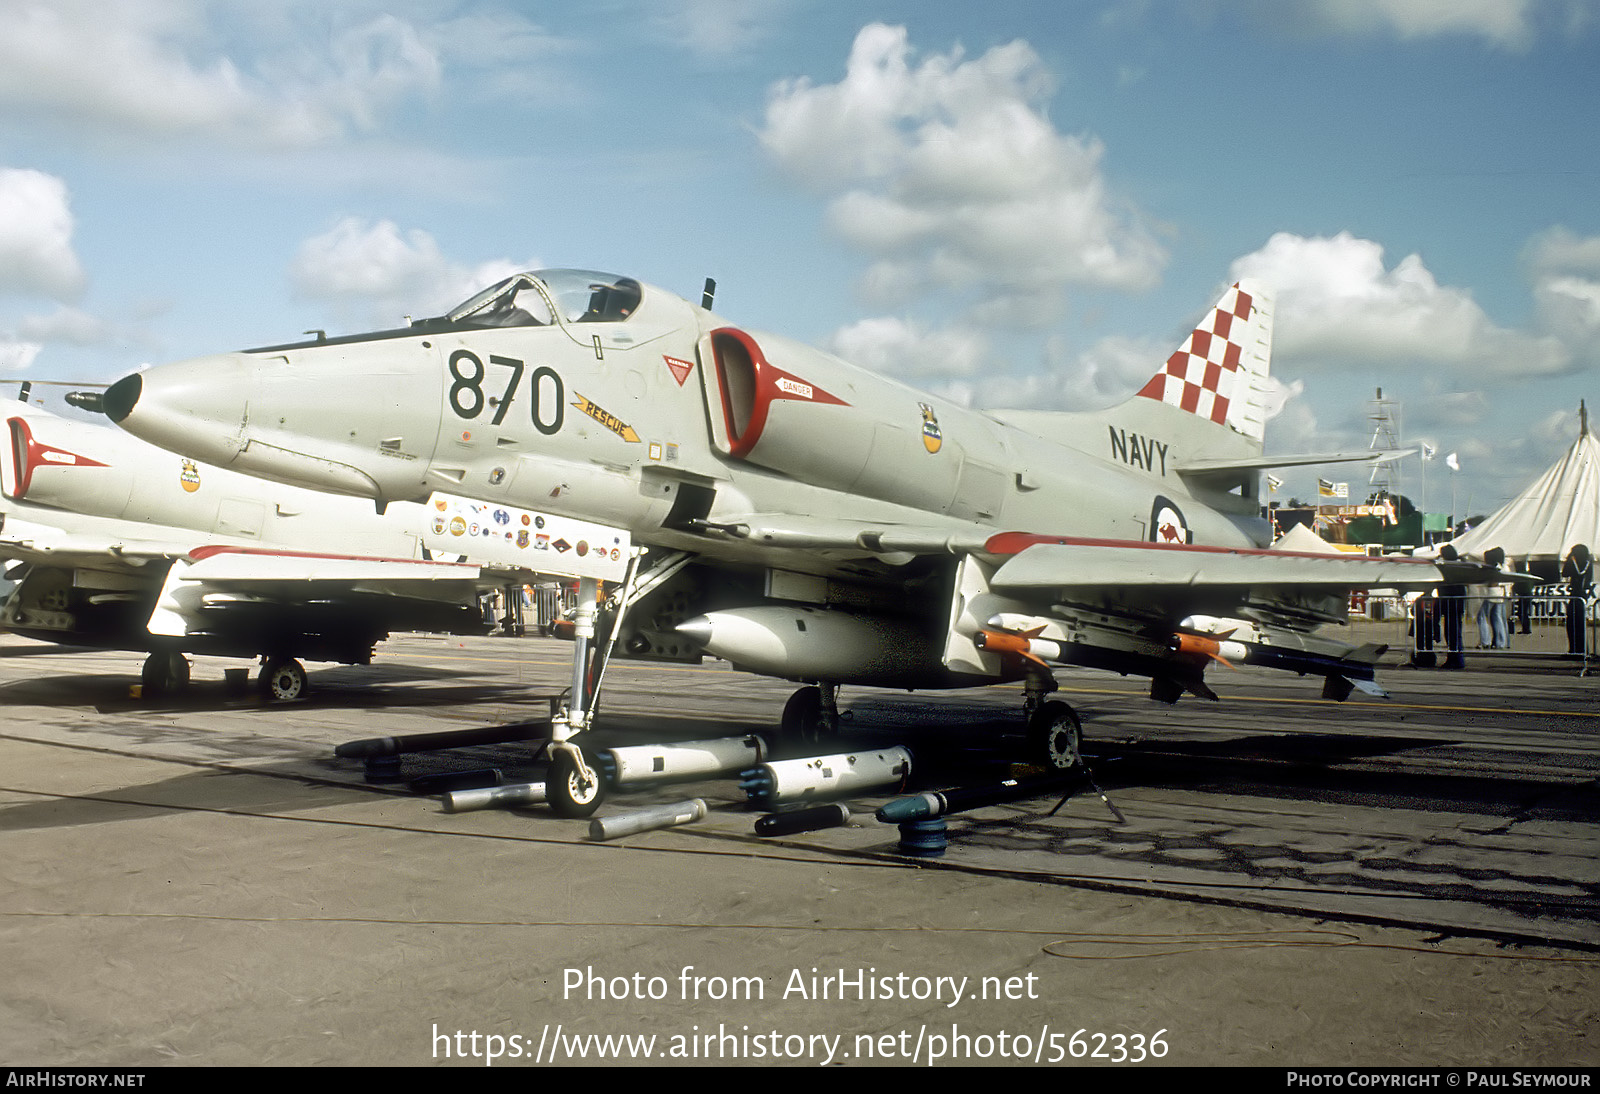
(709, 294)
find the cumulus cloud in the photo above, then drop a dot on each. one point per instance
(1558, 251)
(717, 28)
(948, 173)
(1107, 372)
(17, 356)
(1507, 24)
(145, 69)
(901, 347)
(1565, 269)
(1338, 304)
(69, 325)
(376, 272)
(36, 254)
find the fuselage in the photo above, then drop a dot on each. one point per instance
(598, 398)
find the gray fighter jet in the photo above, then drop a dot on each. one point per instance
(118, 544)
(805, 518)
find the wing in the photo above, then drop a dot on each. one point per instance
(221, 590)
(1169, 611)
(1015, 599)
(90, 588)
(88, 543)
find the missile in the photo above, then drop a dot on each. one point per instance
(805, 643)
(1218, 648)
(463, 801)
(644, 820)
(1232, 652)
(831, 815)
(825, 776)
(680, 759)
(1026, 645)
(448, 738)
(937, 803)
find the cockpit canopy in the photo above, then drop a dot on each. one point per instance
(541, 297)
(538, 298)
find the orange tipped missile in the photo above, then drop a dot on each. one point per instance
(1026, 645)
(1218, 649)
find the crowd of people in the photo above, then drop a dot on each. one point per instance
(1439, 617)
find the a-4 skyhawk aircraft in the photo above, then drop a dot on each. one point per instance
(804, 518)
(118, 544)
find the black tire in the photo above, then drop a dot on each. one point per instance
(567, 792)
(801, 727)
(1055, 737)
(164, 673)
(283, 679)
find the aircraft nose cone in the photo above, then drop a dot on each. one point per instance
(194, 407)
(121, 396)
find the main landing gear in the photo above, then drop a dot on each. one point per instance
(282, 679)
(165, 672)
(1054, 733)
(810, 716)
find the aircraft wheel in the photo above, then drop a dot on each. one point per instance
(802, 717)
(164, 673)
(1055, 737)
(283, 679)
(568, 792)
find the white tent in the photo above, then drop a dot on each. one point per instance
(1306, 541)
(1561, 508)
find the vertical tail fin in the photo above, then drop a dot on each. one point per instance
(1220, 374)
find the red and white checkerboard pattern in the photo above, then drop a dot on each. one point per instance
(1204, 377)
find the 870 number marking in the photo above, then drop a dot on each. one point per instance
(467, 398)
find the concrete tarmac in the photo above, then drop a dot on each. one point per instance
(1293, 882)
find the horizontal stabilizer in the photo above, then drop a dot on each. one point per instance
(1266, 463)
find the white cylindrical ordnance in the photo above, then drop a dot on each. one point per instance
(827, 776)
(682, 759)
(643, 820)
(462, 801)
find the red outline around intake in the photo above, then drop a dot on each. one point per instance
(32, 456)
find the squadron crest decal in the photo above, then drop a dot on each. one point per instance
(932, 439)
(189, 477)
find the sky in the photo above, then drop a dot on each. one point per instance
(1012, 204)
